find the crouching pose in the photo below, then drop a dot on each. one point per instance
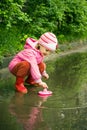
(28, 65)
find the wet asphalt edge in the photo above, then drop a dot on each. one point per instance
(4, 72)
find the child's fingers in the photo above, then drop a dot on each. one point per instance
(43, 84)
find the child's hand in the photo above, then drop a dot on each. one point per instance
(43, 84)
(46, 76)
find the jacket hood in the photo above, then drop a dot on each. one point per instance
(30, 43)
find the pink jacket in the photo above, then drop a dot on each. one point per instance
(31, 55)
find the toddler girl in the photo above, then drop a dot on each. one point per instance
(29, 64)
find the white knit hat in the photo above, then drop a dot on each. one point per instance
(49, 41)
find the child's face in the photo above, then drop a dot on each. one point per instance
(44, 51)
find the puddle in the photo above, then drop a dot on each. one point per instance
(66, 109)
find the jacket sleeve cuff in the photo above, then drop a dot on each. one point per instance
(38, 81)
(44, 72)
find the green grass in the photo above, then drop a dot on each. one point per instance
(10, 42)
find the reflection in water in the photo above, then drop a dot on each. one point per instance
(28, 110)
(55, 119)
(66, 109)
(7, 121)
(69, 79)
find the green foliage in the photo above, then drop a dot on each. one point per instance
(38, 16)
(10, 42)
(75, 17)
(11, 13)
(65, 18)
